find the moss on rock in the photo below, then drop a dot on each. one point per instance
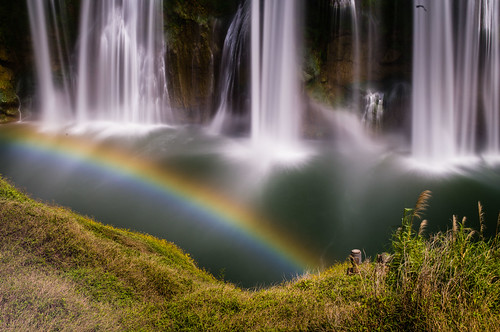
(9, 102)
(14, 56)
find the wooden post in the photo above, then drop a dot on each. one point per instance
(355, 258)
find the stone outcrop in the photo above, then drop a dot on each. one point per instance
(195, 35)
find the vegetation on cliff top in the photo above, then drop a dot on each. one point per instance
(62, 271)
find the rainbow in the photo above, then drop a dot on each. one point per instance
(213, 207)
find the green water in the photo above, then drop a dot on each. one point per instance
(338, 197)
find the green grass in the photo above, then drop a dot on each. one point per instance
(62, 271)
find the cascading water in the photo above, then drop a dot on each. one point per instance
(433, 132)
(374, 111)
(54, 100)
(466, 71)
(456, 65)
(491, 78)
(276, 102)
(231, 63)
(121, 63)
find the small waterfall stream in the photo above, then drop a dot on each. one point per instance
(231, 65)
(374, 111)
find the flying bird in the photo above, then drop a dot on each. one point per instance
(422, 6)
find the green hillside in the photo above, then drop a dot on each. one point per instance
(62, 271)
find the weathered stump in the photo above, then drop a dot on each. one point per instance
(355, 258)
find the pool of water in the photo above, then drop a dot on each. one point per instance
(246, 213)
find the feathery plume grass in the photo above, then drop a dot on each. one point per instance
(482, 225)
(423, 226)
(422, 204)
(455, 227)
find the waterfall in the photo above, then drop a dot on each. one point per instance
(491, 77)
(456, 65)
(121, 62)
(275, 72)
(54, 99)
(231, 63)
(467, 77)
(433, 131)
(374, 111)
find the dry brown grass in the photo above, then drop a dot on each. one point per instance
(39, 298)
(66, 243)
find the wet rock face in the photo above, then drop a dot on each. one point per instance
(190, 71)
(8, 99)
(383, 30)
(9, 102)
(381, 33)
(195, 35)
(15, 55)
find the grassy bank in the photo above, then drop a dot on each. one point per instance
(62, 271)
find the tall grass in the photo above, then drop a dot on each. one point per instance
(449, 280)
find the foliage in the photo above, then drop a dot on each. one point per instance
(63, 271)
(184, 14)
(448, 281)
(8, 192)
